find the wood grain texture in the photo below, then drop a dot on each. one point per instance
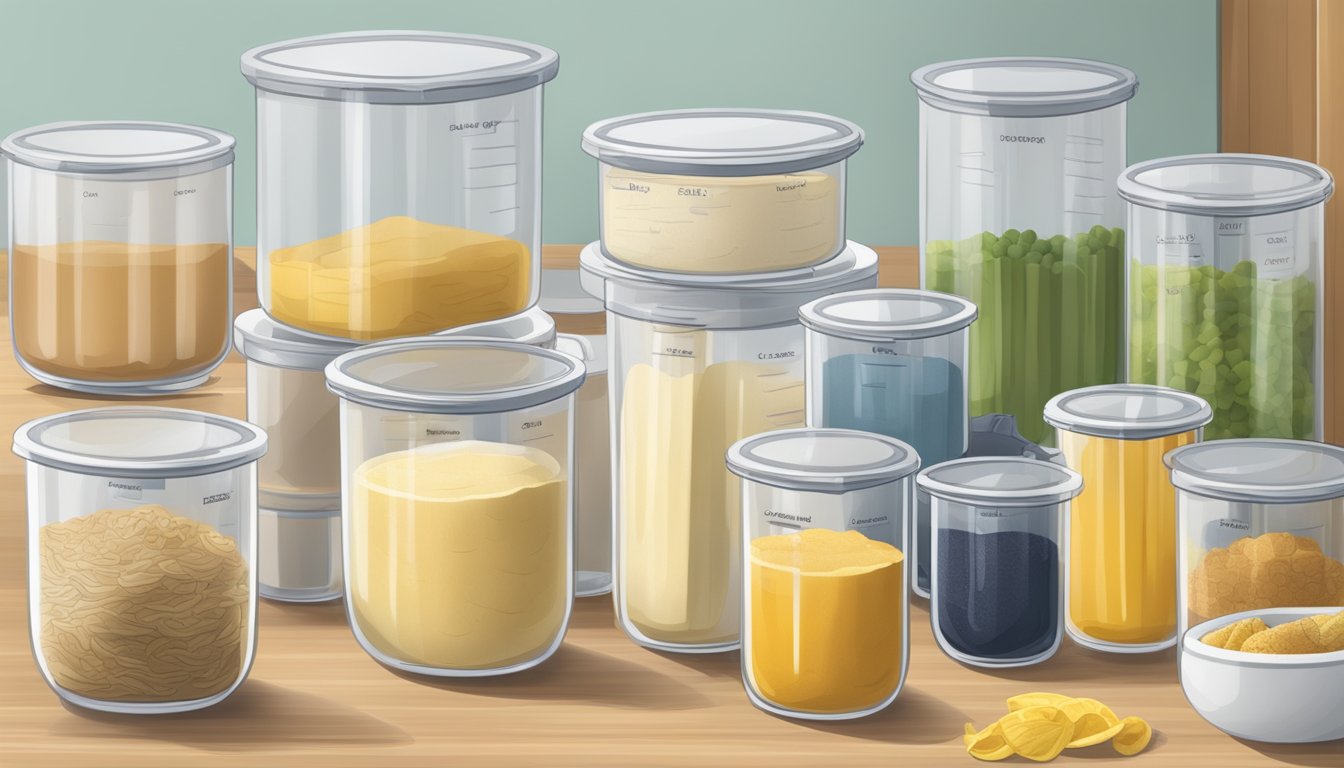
(1330, 154)
(315, 699)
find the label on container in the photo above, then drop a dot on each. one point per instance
(784, 512)
(1179, 249)
(212, 499)
(133, 490)
(1221, 533)
(548, 433)
(679, 344)
(1274, 254)
(403, 431)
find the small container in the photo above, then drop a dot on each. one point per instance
(1226, 282)
(722, 190)
(457, 495)
(398, 180)
(893, 361)
(826, 633)
(1261, 526)
(592, 467)
(141, 552)
(120, 254)
(998, 525)
(1121, 562)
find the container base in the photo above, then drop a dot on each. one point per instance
(658, 645)
(120, 388)
(1091, 643)
(282, 595)
(591, 583)
(141, 707)
(766, 705)
(984, 663)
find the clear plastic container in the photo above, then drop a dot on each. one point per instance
(120, 254)
(1226, 282)
(592, 467)
(532, 326)
(1120, 568)
(141, 553)
(697, 362)
(458, 504)
(998, 525)
(398, 180)
(826, 610)
(574, 311)
(722, 190)
(893, 361)
(1018, 160)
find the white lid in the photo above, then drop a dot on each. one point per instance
(888, 314)
(259, 338)
(1023, 87)
(159, 149)
(1226, 184)
(139, 442)
(1259, 470)
(824, 460)
(1128, 411)
(592, 350)
(1001, 481)
(399, 67)
(562, 293)
(531, 326)
(722, 142)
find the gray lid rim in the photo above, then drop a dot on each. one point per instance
(794, 477)
(1069, 486)
(1025, 103)
(1191, 482)
(1056, 416)
(218, 152)
(1136, 193)
(812, 317)
(305, 353)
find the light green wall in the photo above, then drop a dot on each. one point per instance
(178, 60)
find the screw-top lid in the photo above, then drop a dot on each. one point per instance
(722, 142)
(592, 352)
(1226, 184)
(562, 293)
(399, 67)
(531, 326)
(152, 150)
(1024, 87)
(259, 338)
(888, 314)
(139, 442)
(824, 460)
(1259, 470)
(1001, 481)
(1128, 411)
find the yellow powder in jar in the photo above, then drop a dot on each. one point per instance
(1273, 570)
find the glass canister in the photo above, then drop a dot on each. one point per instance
(457, 494)
(1121, 561)
(398, 180)
(592, 467)
(120, 254)
(141, 548)
(826, 612)
(697, 362)
(1018, 159)
(722, 190)
(998, 525)
(1226, 282)
(893, 361)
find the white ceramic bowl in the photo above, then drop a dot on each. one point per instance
(1284, 698)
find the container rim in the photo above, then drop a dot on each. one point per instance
(211, 148)
(261, 339)
(1240, 484)
(595, 360)
(1062, 484)
(1191, 412)
(1004, 103)
(1191, 643)
(1318, 187)
(745, 460)
(955, 313)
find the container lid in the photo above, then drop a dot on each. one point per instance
(1128, 411)
(888, 314)
(431, 374)
(1001, 481)
(1023, 86)
(562, 293)
(592, 353)
(825, 460)
(259, 338)
(722, 301)
(399, 67)
(139, 442)
(1259, 470)
(168, 149)
(1226, 184)
(722, 142)
(531, 326)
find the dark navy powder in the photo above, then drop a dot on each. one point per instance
(998, 593)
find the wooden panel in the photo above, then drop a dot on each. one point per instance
(1330, 154)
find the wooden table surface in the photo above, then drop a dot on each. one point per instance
(315, 699)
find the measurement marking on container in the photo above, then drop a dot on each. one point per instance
(493, 186)
(1068, 159)
(490, 165)
(510, 208)
(538, 437)
(495, 146)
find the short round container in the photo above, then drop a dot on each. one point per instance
(1018, 159)
(1226, 280)
(120, 254)
(398, 180)
(1121, 561)
(826, 612)
(893, 361)
(1261, 526)
(998, 526)
(592, 467)
(141, 553)
(697, 362)
(722, 190)
(457, 498)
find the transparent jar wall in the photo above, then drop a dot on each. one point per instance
(494, 562)
(592, 469)
(455, 187)
(302, 466)
(120, 282)
(823, 643)
(680, 398)
(299, 555)
(1050, 301)
(1229, 308)
(1245, 556)
(730, 224)
(118, 637)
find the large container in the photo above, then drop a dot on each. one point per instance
(1018, 159)
(1121, 562)
(398, 180)
(592, 467)
(120, 254)
(722, 190)
(456, 488)
(141, 555)
(697, 363)
(893, 361)
(826, 611)
(1226, 280)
